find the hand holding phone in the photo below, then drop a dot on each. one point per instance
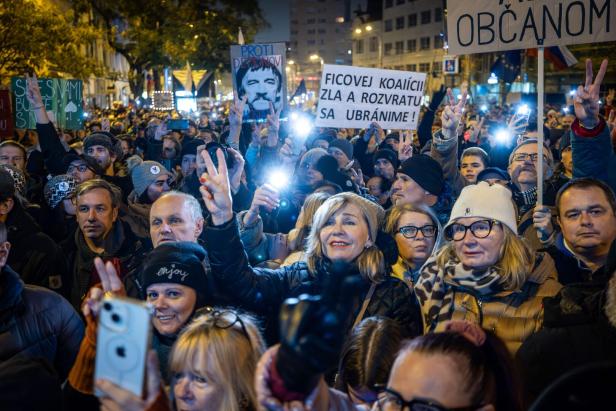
(124, 333)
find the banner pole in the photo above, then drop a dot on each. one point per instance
(540, 78)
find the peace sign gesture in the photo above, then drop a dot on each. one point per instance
(475, 130)
(452, 113)
(405, 148)
(110, 282)
(586, 100)
(273, 124)
(236, 111)
(215, 189)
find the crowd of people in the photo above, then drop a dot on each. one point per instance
(316, 269)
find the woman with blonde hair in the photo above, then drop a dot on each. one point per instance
(344, 232)
(486, 274)
(418, 234)
(213, 363)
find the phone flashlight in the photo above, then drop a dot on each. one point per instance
(572, 93)
(565, 110)
(524, 110)
(484, 108)
(302, 127)
(503, 136)
(278, 179)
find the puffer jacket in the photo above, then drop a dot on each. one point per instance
(37, 322)
(263, 290)
(512, 315)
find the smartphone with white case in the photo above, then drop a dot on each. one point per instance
(124, 334)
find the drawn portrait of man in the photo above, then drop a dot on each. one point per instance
(262, 82)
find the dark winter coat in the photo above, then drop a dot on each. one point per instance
(37, 322)
(263, 290)
(37, 258)
(575, 332)
(572, 270)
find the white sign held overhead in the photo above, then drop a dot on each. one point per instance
(482, 26)
(356, 96)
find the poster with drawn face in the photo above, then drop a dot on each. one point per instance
(259, 74)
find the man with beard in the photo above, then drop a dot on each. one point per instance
(261, 82)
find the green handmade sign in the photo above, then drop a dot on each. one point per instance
(62, 98)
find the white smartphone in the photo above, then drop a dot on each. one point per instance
(124, 334)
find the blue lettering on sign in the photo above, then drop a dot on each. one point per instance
(257, 50)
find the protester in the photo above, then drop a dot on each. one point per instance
(37, 322)
(486, 274)
(418, 235)
(60, 194)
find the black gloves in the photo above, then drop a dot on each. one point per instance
(313, 329)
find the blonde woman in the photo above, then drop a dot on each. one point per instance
(344, 230)
(213, 364)
(486, 274)
(418, 234)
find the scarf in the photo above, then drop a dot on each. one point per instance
(436, 285)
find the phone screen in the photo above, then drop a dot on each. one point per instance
(177, 124)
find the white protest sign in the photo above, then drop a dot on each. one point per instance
(481, 26)
(356, 96)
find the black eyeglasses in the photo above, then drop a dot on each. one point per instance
(480, 229)
(528, 156)
(410, 231)
(390, 400)
(223, 319)
(82, 168)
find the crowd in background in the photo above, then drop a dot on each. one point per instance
(297, 267)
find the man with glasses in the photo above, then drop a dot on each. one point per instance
(82, 167)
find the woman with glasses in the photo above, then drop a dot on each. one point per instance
(462, 369)
(417, 233)
(486, 274)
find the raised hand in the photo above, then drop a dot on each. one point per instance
(405, 148)
(586, 100)
(236, 111)
(215, 189)
(609, 99)
(517, 125)
(452, 113)
(116, 398)
(279, 250)
(273, 125)
(235, 174)
(289, 152)
(542, 220)
(33, 93)
(110, 282)
(475, 130)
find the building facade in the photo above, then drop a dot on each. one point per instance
(320, 34)
(410, 36)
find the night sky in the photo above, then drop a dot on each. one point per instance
(276, 12)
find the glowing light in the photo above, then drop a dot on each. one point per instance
(493, 79)
(524, 110)
(572, 93)
(302, 127)
(368, 28)
(278, 179)
(484, 108)
(293, 116)
(503, 136)
(358, 31)
(565, 109)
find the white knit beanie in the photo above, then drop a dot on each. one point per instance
(487, 201)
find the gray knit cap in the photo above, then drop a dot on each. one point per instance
(146, 173)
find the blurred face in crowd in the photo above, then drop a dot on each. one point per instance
(189, 163)
(405, 190)
(339, 155)
(171, 220)
(393, 144)
(101, 155)
(416, 250)
(567, 120)
(197, 391)
(384, 168)
(173, 306)
(432, 377)
(125, 148)
(320, 143)
(344, 236)
(479, 253)
(79, 169)
(587, 220)
(169, 148)
(523, 165)
(158, 187)
(13, 156)
(470, 166)
(96, 214)
(566, 157)
(375, 188)
(261, 87)
(192, 131)
(309, 174)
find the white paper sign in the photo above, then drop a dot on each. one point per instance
(481, 26)
(356, 96)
